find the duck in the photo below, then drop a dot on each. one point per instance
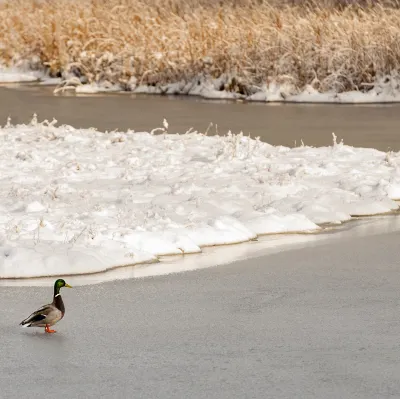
(50, 314)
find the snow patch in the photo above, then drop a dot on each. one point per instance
(384, 90)
(77, 201)
(16, 75)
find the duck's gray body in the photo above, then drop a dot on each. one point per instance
(47, 315)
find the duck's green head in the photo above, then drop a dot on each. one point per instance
(59, 284)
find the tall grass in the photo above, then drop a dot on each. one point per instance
(332, 44)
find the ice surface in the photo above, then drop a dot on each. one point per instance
(76, 201)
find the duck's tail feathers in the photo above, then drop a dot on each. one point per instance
(29, 321)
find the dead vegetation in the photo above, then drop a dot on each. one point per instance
(332, 44)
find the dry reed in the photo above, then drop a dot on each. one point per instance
(329, 45)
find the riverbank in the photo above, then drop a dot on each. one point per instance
(258, 51)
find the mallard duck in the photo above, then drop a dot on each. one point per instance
(50, 314)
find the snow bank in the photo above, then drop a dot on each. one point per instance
(16, 75)
(78, 201)
(385, 90)
(24, 74)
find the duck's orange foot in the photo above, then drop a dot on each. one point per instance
(47, 329)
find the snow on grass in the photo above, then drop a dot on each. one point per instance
(77, 201)
(384, 90)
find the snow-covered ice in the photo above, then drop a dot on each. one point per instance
(75, 201)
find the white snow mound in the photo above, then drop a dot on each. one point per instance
(77, 201)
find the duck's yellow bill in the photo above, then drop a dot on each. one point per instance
(67, 285)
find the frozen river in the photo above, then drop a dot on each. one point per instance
(317, 322)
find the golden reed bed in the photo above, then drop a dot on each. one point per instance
(328, 44)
